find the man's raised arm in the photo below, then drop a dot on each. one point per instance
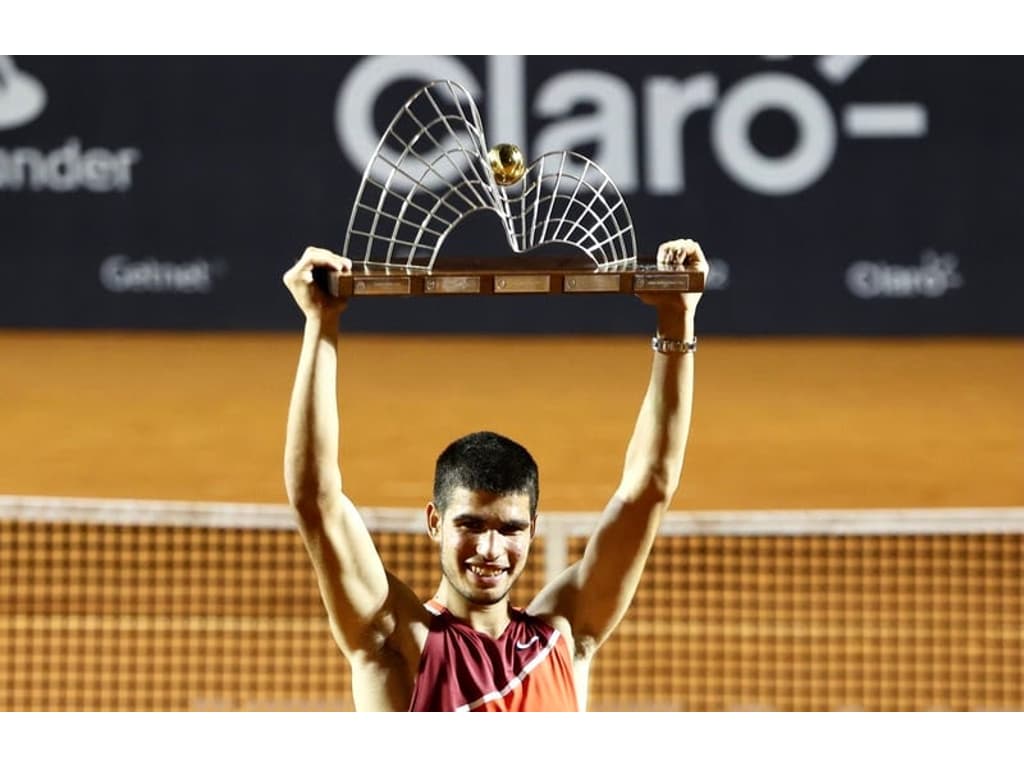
(353, 582)
(594, 593)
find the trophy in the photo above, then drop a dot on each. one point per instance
(433, 168)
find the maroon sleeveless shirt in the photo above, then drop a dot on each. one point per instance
(528, 668)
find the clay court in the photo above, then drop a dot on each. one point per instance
(779, 423)
(154, 616)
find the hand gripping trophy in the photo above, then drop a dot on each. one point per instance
(432, 168)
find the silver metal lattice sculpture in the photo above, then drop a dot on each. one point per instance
(431, 170)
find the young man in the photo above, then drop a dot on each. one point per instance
(467, 648)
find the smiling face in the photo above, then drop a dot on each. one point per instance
(485, 539)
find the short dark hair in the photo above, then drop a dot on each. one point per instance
(486, 461)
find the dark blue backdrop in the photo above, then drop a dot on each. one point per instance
(839, 195)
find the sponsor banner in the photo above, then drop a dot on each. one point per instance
(832, 194)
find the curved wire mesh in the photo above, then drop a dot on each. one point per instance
(430, 171)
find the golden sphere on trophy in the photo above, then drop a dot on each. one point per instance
(507, 163)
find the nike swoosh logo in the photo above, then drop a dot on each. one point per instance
(528, 643)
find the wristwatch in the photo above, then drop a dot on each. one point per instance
(673, 346)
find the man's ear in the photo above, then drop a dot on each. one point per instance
(533, 527)
(433, 521)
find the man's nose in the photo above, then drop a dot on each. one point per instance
(488, 545)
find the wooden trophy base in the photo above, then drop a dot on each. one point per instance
(510, 275)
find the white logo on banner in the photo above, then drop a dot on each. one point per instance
(119, 274)
(932, 278)
(67, 168)
(662, 108)
(22, 97)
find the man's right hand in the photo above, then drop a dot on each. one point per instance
(312, 300)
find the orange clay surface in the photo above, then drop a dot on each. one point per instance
(779, 423)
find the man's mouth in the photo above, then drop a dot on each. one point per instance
(486, 571)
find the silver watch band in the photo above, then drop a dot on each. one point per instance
(673, 346)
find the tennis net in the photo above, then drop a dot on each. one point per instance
(143, 605)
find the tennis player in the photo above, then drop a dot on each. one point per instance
(466, 648)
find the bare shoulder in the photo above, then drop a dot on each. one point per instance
(578, 647)
(384, 669)
(554, 605)
(408, 618)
